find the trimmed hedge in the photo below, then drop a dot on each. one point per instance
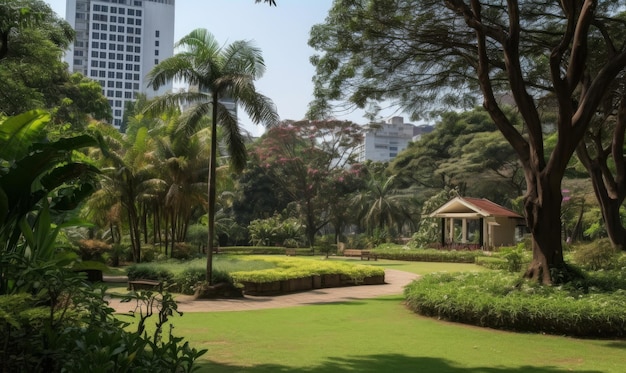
(426, 255)
(503, 301)
(261, 250)
(290, 268)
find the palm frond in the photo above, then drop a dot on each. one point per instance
(233, 138)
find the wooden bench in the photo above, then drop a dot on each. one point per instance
(351, 252)
(290, 252)
(366, 254)
(145, 285)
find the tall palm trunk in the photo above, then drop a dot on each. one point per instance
(212, 191)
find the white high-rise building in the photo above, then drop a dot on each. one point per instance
(383, 141)
(118, 42)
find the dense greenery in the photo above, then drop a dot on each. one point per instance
(590, 308)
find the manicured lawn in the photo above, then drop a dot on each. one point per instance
(416, 267)
(381, 335)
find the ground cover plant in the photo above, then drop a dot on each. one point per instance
(593, 307)
(380, 335)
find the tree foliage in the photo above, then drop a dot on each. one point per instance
(422, 54)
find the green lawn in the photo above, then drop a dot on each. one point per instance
(381, 335)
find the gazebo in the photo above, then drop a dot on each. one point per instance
(494, 224)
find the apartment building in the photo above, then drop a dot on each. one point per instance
(383, 141)
(118, 42)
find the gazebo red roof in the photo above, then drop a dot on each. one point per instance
(492, 208)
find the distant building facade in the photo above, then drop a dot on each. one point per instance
(118, 42)
(384, 141)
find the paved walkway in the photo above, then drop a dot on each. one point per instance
(395, 283)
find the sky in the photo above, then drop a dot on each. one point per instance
(280, 32)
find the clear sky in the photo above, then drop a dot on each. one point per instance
(281, 33)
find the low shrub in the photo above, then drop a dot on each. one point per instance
(291, 268)
(182, 251)
(261, 250)
(492, 262)
(93, 249)
(597, 255)
(502, 300)
(398, 252)
(149, 271)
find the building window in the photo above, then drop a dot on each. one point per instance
(137, 31)
(103, 45)
(96, 7)
(120, 38)
(111, 74)
(128, 76)
(131, 12)
(156, 43)
(105, 8)
(157, 33)
(137, 40)
(103, 64)
(129, 58)
(114, 10)
(137, 58)
(111, 47)
(94, 54)
(118, 113)
(156, 52)
(119, 66)
(120, 48)
(94, 73)
(113, 28)
(121, 19)
(137, 67)
(128, 85)
(118, 94)
(118, 103)
(110, 84)
(129, 30)
(130, 21)
(122, 11)
(94, 44)
(129, 66)
(156, 61)
(138, 22)
(138, 13)
(111, 65)
(95, 35)
(113, 38)
(118, 84)
(94, 63)
(120, 57)
(136, 86)
(104, 27)
(109, 93)
(118, 75)
(137, 49)
(129, 39)
(113, 19)
(128, 95)
(78, 62)
(96, 26)
(135, 76)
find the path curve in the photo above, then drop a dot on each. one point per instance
(395, 281)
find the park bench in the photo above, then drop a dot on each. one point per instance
(143, 284)
(290, 252)
(351, 252)
(366, 254)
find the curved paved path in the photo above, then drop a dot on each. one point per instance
(395, 281)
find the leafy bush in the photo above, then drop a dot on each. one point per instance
(514, 257)
(491, 262)
(290, 268)
(93, 249)
(276, 231)
(599, 254)
(504, 301)
(149, 271)
(261, 250)
(182, 251)
(397, 252)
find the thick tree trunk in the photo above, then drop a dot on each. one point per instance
(610, 208)
(543, 216)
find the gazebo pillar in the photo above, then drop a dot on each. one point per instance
(464, 230)
(451, 232)
(443, 232)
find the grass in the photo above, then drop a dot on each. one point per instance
(382, 335)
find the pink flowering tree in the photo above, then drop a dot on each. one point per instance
(311, 162)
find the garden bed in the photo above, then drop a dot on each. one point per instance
(306, 283)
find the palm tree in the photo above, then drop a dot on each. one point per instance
(219, 73)
(381, 205)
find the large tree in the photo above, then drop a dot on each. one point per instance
(219, 73)
(425, 53)
(307, 160)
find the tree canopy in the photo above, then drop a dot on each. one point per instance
(425, 54)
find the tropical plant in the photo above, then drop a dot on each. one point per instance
(218, 73)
